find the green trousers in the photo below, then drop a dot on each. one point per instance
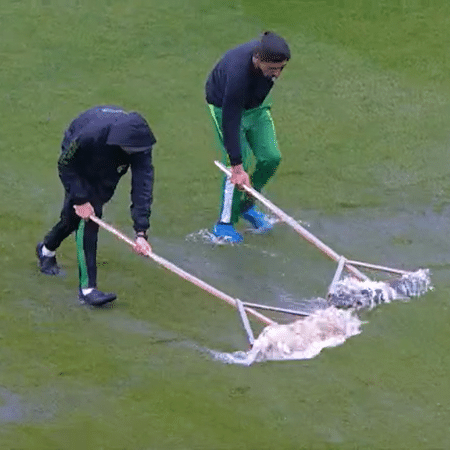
(260, 158)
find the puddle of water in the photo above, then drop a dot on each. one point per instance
(11, 407)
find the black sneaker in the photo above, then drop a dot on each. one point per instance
(47, 264)
(96, 297)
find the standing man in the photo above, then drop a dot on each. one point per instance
(98, 148)
(236, 92)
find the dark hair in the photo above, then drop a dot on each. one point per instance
(272, 48)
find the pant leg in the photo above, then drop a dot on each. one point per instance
(67, 224)
(231, 198)
(86, 241)
(263, 142)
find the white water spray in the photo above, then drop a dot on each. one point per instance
(302, 339)
(329, 327)
(353, 293)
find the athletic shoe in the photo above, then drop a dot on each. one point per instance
(47, 264)
(96, 297)
(226, 232)
(258, 220)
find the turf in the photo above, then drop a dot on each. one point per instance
(362, 119)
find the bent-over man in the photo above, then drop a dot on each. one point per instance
(98, 148)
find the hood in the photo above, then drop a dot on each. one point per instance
(132, 132)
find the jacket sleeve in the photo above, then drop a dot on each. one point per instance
(232, 107)
(141, 189)
(69, 169)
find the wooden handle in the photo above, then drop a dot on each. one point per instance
(183, 274)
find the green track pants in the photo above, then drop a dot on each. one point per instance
(259, 149)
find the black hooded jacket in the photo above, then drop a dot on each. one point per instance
(92, 159)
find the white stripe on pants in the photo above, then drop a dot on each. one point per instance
(228, 191)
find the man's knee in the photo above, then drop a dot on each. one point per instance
(271, 163)
(276, 160)
(69, 220)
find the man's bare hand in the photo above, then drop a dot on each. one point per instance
(142, 247)
(239, 176)
(85, 210)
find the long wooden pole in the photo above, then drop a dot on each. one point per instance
(183, 274)
(296, 226)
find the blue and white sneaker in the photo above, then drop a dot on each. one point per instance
(259, 221)
(225, 232)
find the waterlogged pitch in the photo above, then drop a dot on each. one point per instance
(361, 113)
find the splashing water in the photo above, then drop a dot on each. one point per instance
(413, 284)
(302, 339)
(271, 219)
(353, 293)
(205, 236)
(329, 327)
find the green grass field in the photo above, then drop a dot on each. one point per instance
(363, 120)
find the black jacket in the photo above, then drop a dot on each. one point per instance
(92, 159)
(235, 85)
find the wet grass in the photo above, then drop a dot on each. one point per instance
(362, 118)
